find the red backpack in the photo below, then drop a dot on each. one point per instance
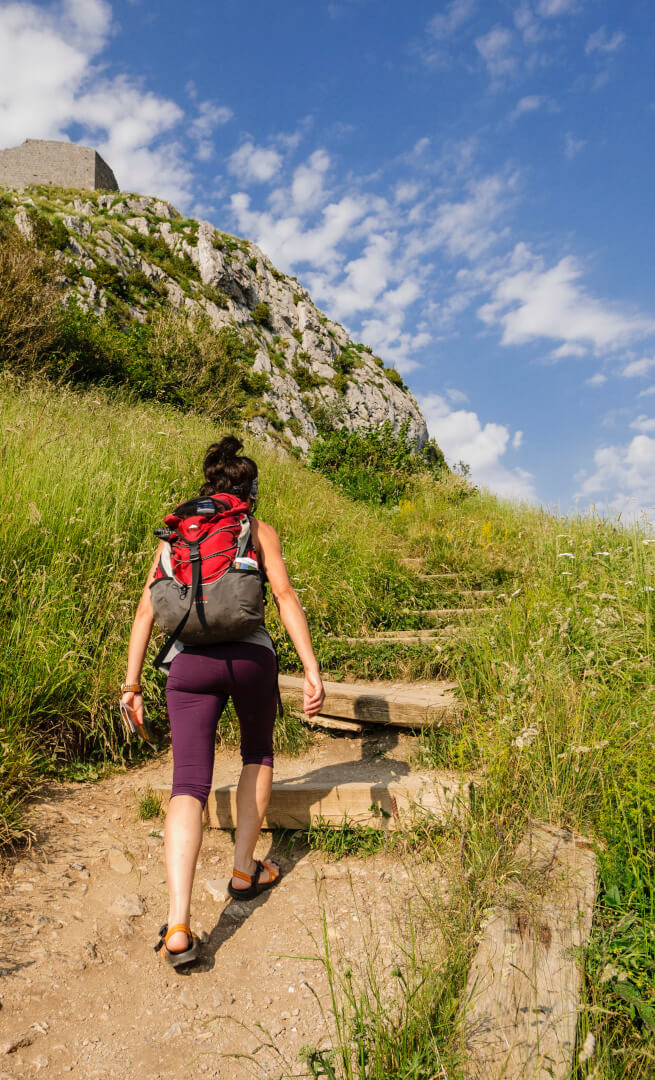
(208, 586)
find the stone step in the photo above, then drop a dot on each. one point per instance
(412, 705)
(298, 803)
(523, 992)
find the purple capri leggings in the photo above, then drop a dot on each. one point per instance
(199, 683)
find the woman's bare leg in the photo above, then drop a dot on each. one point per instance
(183, 837)
(253, 795)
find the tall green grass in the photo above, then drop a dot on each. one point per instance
(559, 698)
(557, 686)
(86, 477)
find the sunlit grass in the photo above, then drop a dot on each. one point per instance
(557, 685)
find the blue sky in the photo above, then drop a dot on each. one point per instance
(466, 185)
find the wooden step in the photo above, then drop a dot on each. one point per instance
(426, 704)
(439, 577)
(444, 612)
(407, 637)
(523, 990)
(330, 723)
(295, 804)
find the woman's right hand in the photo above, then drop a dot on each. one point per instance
(313, 693)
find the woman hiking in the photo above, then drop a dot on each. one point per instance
(201, 677)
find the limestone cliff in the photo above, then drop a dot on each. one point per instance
(134, 253)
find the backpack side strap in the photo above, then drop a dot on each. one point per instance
(196, 575)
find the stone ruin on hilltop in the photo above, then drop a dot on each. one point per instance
(62, 164)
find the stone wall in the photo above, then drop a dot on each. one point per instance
(63, 164)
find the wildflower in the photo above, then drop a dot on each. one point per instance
(527, 737)
(588, 1048)
(566, 555)
(601, 553)
(648, 588)
(648, 540)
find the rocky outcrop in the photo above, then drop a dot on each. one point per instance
(134, 254)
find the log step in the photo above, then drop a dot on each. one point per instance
(428, 704)
(523, 990)
(296, 804)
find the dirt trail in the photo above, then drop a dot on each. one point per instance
(82, 994)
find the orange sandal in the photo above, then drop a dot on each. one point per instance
(255, 886)
(177, 958)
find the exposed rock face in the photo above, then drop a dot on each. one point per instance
(310, 367)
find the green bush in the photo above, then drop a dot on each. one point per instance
(395, 378)
(377, 465)
(261, 314)
(50, 234)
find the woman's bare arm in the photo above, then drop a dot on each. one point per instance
(139, 638)
(267, 542)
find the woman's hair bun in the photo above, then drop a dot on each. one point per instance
(225, 450)
(226, 469)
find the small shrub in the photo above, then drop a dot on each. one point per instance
(217, 296)
(149, 805)
(395, 378)
(376, 465)
(252, 263)
(49, 234)
(305, 377)
(298, 335)
(340, 382)
(261, 314)
(255, 382)
(30, 310)
(294, 426)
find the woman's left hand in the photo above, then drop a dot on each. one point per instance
(134, 703)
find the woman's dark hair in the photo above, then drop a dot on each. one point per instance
(226, 470)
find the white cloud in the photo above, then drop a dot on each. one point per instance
(531, 301)
(208, 117)
(624, 476)
(462, 437)
(551, 8)
(527, 105)
(445, 24)
(573, 146)
(648, 392)
(495, 48)
(596, 380)
(50, 81)
(568, 350)
(643, 423)
(636, 368)
(517, 440)
(466, 227)
(307, 185)
(601, 42)
(254, 164)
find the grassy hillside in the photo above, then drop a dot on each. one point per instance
(558, 690)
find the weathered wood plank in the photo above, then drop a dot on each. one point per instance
(431, 704)
(330, 723)
(523, 990)
(407, 637)
(296, 804)
(444, 612)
